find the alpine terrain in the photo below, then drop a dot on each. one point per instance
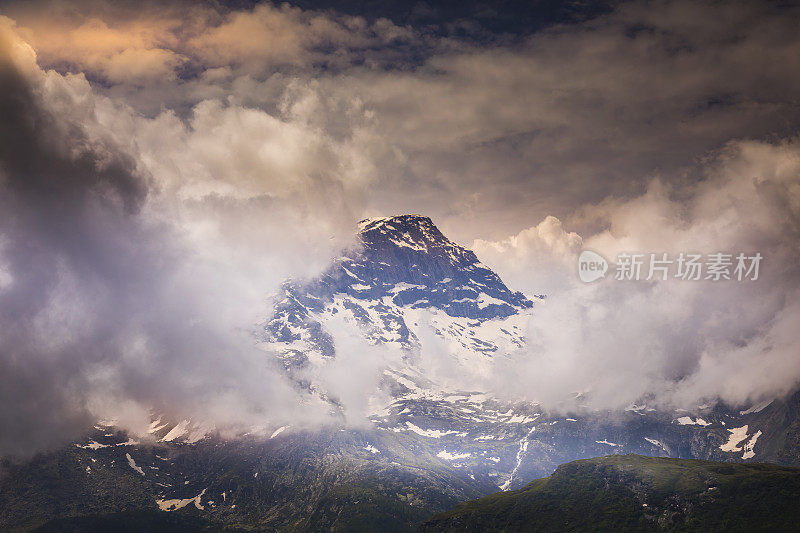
(635, 493)
(416, 308)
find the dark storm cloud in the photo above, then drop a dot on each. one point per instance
(102, 312)
(580, 112)
(473, 19)
(56, 195)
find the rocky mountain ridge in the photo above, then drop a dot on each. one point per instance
(429, 444)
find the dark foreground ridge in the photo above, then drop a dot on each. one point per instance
(637, 493)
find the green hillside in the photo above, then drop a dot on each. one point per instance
(637, 493)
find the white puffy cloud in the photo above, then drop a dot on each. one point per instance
(534, 256)
(674, 342)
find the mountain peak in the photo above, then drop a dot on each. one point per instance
(412, 232)
(406, 259)
(406, 220)
(404, 264)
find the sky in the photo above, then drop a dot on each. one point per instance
(165, 165)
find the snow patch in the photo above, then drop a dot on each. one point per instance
(93, 445)
(749, 453)
(737, 436)
(175, 504)
(484, 301)
(687, 421)
(133, 464)
(156, 425)
(278, 432)
(444, 454)
(523, 447)
(178, 431)
(756, 408)
(432, 433)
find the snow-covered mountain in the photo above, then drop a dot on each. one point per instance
(407, 286)
(405, 291)
(405, 275)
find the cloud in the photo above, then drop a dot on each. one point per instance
(674, 343)
(133, 51)
(507, 131)
(153, 43)
(120, 295)
(513, 133)
(268, 36)
(179, 161)
(533, 256)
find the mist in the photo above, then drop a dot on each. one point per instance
(673, 343)
(116, 301)
(158, 184)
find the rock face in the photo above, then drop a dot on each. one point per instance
(402, 267)
(406, 261)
